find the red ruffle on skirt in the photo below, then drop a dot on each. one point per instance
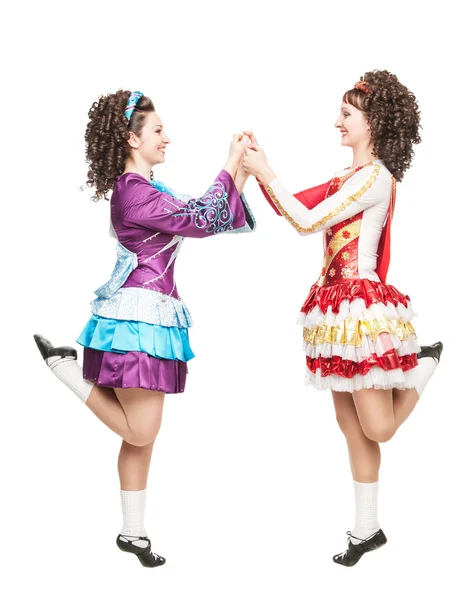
(134, 370)
(351, 289)
(335, 365)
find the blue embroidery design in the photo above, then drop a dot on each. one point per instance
(162, 187)
(210, 212)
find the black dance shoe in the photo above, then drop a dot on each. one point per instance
(145, 555)
(434, 351)
(350, 557)
(47, 349)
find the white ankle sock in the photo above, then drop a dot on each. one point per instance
(69, 372)
(133, 511)
(366, 499)
(423, 372)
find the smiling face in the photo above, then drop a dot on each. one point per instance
(354, 127)
(152, 143)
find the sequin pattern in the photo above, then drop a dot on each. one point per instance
(149, 306)
(125, 264)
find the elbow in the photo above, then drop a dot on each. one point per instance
(302, 232)
(307, 228)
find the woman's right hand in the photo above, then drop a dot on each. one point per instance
(251, 136)
(239, 143)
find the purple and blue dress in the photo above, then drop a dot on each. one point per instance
(137, 336)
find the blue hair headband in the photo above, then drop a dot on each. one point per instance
(132, 103)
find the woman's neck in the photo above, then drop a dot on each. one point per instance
(362, 156)
(141, 168)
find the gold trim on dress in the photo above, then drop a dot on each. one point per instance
(351, 331)
(336, 211)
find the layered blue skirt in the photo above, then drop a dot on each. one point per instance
(130, 354)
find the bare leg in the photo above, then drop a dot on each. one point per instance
(404, 402)
(104, 403)
(144, 411)
(365, 460)
(376, 413)
(364, 454)
(137, 421)
(134, 465)
(382, 412)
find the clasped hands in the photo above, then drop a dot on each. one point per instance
(249, 159)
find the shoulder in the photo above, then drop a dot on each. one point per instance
(132, 187)
(133, 181)
(378, 170)
(377, 167)
(375, 174)
(371, 184)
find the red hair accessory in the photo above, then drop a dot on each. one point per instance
(362, 86)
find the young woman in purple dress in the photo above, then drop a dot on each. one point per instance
(136, 345)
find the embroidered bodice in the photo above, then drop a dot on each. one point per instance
(150, 221)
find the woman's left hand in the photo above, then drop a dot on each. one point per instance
(254, 162)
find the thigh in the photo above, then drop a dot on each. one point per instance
(345, 412)
(375, 410)
(344, 406)
(142, 408)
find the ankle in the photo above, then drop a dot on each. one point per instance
(361, 534)
(141, 541)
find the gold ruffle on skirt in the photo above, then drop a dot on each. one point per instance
(351, 331)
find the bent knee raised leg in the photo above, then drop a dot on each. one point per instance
(376, 413)
(140, 442)
(143, 410)
(143, 434)
(379, 432)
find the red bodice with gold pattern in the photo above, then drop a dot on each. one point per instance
(340, 245)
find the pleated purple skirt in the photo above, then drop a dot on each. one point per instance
(134, 370)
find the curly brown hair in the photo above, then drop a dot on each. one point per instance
(106, 138)
(394, 118)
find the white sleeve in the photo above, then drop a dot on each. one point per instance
(367, 187)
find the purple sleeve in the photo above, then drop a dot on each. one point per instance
(219, 209)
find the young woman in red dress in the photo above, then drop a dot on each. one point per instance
(358, 336)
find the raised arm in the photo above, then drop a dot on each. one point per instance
(309, 198)
(220, 209)
(309, 213)
(367, 187)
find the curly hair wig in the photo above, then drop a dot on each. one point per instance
(107, 134)
(393, 114)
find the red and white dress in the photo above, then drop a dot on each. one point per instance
(357, 328)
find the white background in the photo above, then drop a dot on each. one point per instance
(250, 491)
